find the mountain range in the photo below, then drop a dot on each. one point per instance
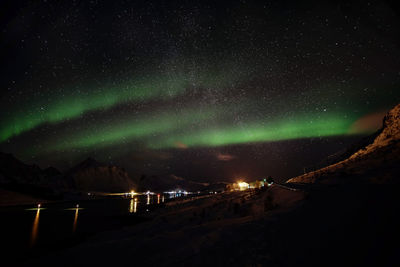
(89, 175)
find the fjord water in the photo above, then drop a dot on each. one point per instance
(27, 231)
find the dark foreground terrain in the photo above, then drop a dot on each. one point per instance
(303, 225)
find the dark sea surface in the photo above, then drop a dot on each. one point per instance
(26, 231)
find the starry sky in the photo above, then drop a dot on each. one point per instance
(203, 90)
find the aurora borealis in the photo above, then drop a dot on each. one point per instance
(119, 78)
(73, 106)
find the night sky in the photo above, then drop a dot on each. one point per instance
(207, 91)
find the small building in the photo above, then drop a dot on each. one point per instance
(239, 186)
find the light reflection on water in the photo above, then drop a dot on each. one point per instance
(133, 205)
(35, 228)
(76, 209)
(33, 238)
(75, 220)
(133, 208)
(133, 202)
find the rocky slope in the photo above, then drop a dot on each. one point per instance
(93, 176)
(378, 162)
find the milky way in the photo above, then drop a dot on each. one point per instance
(107, 79)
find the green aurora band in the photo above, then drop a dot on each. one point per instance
(245, 120)
(253, 133)
(135, 129)
(71, 107)
(161, 87)
(198, 128)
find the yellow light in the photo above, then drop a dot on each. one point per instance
(243, 186)
(131, 206)
(135, 206)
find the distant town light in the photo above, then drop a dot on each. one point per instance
(243, 186)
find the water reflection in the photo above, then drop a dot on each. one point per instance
(163, 198)
(75, 219)
(158, 199)
(35, 227)
(148, 200)
(133, 205)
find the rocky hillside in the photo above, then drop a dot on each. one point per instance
(378, 162)
(91, 175)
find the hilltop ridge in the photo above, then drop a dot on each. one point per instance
(378, 162)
